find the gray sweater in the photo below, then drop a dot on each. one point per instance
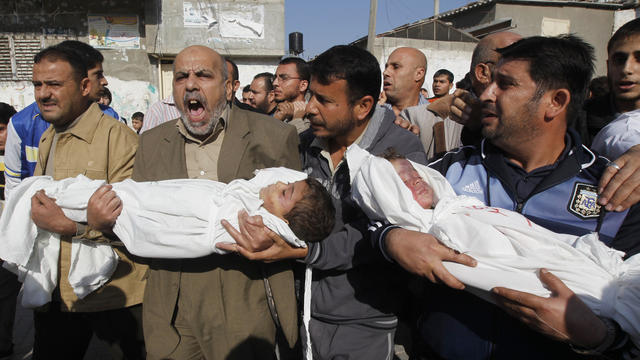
(352, 283)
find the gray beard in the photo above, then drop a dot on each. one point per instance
(211, 123)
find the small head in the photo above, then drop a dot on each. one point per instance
(442, 82)
(261, 96)
(291, 80)
(232, 70)
(345, 85)
(93, 60)
(485, 57)
(599, 86)
(422, 193)
(404, 73)
(6, 112)
(136, 120)
(105, 97)
(305, 205)
(539, 84)
(246, 91)
(61, 87)
(200, 87)
(424, 92)
(623, 66)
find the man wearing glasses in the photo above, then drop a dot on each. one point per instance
(289, 87)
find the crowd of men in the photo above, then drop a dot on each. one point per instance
(521, 110)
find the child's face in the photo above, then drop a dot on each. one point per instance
(137, 124)
(421, 191)
(280, 198)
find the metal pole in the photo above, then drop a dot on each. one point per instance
(436, 7)
(373, 10)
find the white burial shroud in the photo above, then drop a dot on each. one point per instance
(160, 219)
(509, 248)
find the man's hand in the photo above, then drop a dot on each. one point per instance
(47, 215)
(103, 209)
(619, 189)
(405, 124)
(383, 98)
(257, 242)
(423, 254)
(563, 316)
(284, 111)
(466, 109)
(442, 106)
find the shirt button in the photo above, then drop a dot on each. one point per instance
(202, 172)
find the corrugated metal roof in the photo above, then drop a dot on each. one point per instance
(613, 4)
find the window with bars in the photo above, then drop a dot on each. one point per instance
(16, 55)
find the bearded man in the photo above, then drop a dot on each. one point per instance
(218, 306)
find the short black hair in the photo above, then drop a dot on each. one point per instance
(106, 93)
(236, 75)
(446, 72)
(89, 54)
(138, 115)
(302, 67)
(356, 66)
(247, 88)
(392, 154)
(312, 217)
(627, 30)
(6, 112)
(599, 86)
(267, 77)
(562, 62)
(72, 57)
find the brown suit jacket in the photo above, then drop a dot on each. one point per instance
(251, 141)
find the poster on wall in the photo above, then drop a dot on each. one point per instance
(232, 20)
(198, 15)
(245, 21)
(114, 32)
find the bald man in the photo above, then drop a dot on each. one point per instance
(485, 57)
(465, 106)
(218, 306)
(403, 78)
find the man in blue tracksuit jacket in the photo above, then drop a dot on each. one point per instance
(529, 162)
(27, 126)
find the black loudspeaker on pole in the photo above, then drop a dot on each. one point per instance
(295, 43)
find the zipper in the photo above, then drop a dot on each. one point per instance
(519, 206)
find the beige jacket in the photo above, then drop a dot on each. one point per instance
(99, 147)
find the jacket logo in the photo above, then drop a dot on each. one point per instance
(473, 188)
(584, 201)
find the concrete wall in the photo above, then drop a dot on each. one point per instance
(238, 28)
(453, 56)
(594, 25)
(18, 94)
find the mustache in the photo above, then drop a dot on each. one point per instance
(48, 102)
(489, 108)
(194, 95)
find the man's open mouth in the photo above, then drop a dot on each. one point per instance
(195, 109)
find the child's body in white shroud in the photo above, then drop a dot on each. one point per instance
(509, 248)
